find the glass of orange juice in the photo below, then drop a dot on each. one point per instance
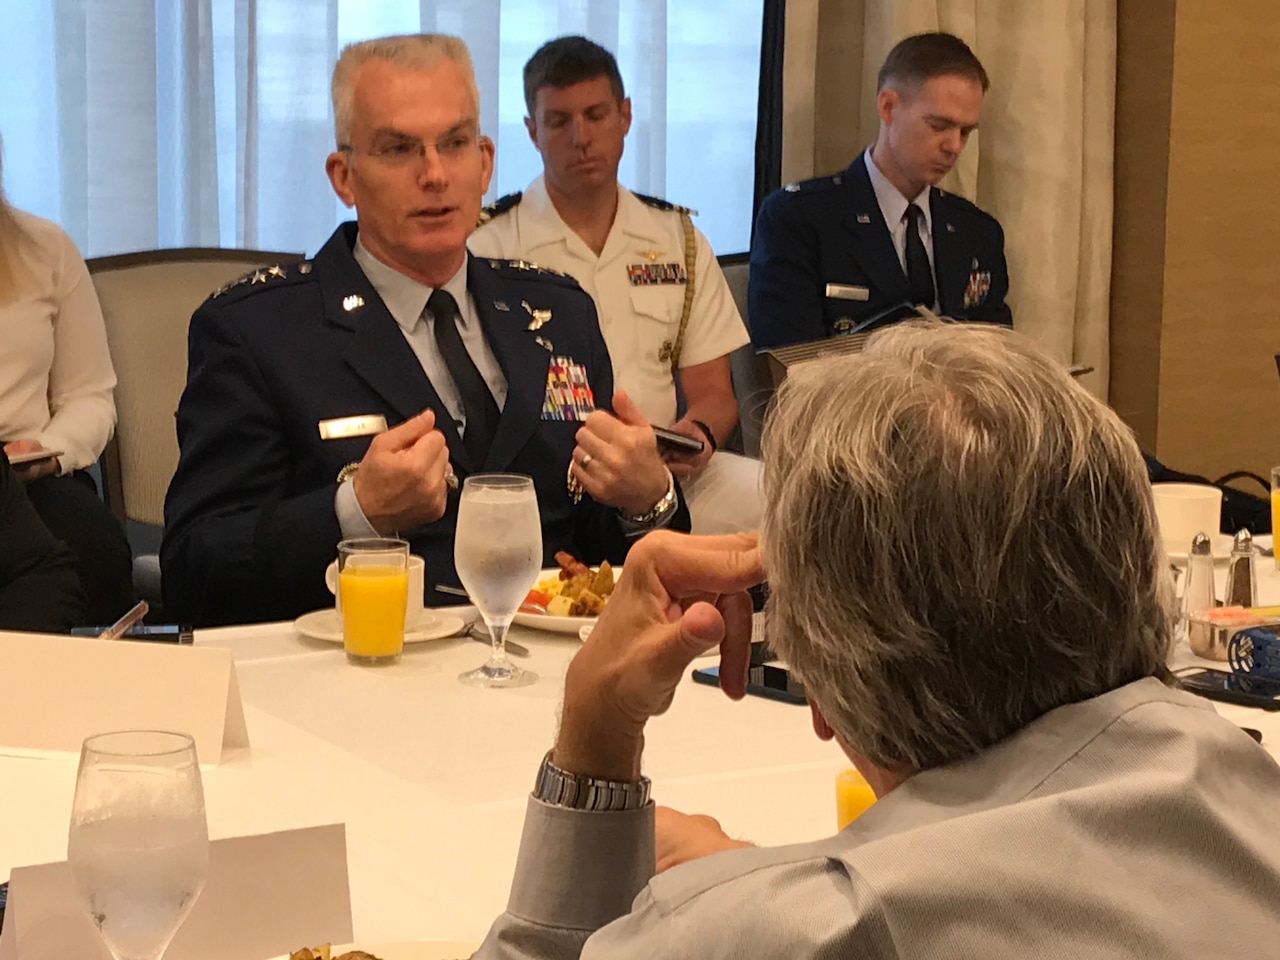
(373, 581)
(1275, 508)
(853, 796)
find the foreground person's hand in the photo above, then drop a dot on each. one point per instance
(682, 837)
(679, 597)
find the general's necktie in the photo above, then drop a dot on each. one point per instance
(478, 405)
(919, 275)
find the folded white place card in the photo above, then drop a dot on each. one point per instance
(266, 895)
(56, 690)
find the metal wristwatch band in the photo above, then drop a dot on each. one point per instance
(562, 789)
(659, 509)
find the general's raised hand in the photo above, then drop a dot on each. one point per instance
(401, 480)
(617, 460)
(678, 597)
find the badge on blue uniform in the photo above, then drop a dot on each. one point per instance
(569, 395)
(979, 285)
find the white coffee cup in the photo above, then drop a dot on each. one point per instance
(414, 612)
(1184, 510)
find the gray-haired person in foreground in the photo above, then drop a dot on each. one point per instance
(993, 663)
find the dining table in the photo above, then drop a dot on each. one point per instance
(431, 777)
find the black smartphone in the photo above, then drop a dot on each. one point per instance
(772, 680)
(1232, 688)
(671, 442)
(154, 632)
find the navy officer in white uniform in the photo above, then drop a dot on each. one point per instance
(834, 253)
(665, 309)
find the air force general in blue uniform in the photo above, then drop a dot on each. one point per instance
(824, 260)
(250, 515)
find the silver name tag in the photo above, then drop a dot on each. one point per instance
(342, 427)
(844, 291)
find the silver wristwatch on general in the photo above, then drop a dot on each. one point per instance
(659, 509)
(563, 789)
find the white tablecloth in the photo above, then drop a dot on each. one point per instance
(431, 777)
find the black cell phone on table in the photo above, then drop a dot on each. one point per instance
(1232, 688)
(671, 442)
(153, 632)
(764, 679)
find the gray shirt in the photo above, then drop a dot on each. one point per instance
(1135, 824)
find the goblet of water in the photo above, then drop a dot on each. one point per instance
(138, 848)
(498, 553)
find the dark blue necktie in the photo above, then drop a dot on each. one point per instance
(478, 405)
(919, 276)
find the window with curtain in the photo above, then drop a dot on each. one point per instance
(139, 124)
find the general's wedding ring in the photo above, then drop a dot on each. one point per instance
(586, 460)
(450, 478)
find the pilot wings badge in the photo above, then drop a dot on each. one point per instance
(540, 318)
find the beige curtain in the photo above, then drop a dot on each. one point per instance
(1041, 163)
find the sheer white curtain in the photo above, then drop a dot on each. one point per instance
(140, 124)
(1042, 160)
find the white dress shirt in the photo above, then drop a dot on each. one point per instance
(893, 207)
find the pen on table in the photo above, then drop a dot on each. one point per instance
(132, 616)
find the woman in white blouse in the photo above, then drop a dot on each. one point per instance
(56, 406)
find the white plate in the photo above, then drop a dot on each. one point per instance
(327, 625)
(418, 950)
(1220, 544)
(544, 621)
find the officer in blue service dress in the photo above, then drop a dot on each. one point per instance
(837, 253)
(346, 395)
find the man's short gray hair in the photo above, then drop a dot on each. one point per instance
(412, 51)
(959, 538)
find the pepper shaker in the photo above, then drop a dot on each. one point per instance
(1242, 580)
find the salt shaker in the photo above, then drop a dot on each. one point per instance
(1197, 597)
(1242, 582)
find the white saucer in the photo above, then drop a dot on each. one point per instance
(327, 625)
